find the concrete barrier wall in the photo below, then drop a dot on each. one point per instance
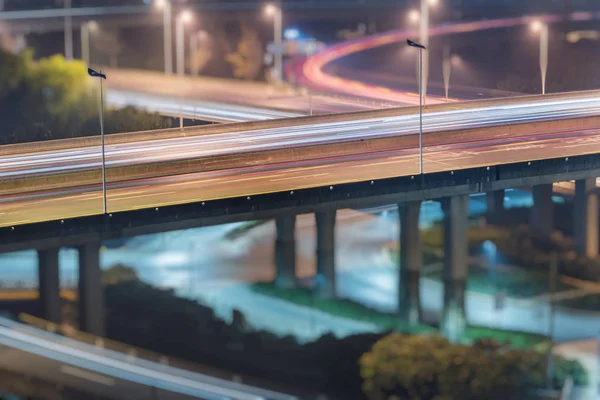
(303, 153)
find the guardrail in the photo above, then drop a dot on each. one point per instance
(301, 153)
(126, 349)
(262, 389)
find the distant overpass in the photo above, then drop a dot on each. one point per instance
(220, 100)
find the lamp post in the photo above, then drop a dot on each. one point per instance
(542, 29)
(182, 18)
(193, 52)
(100, 75)
(195, 39)
(87, 28)
(421, 48)
(422, 17)
(275, 11)
(166, 7)
(68, 31)
(447, 70)
(552, 290)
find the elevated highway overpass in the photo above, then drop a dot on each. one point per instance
(60, 179)
(50, 193)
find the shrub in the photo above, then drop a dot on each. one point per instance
(55, 99)
(433, 238)
(525, 248)
(429, 367)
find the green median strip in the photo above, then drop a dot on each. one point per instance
(341, 308)
(387, 321)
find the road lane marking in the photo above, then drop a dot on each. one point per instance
(146, 195)
(375, 164)
(98, 196)
(299, 177)
(90, 376)
(108, 194)
(24, 221)
(190, 182)
(254, 178)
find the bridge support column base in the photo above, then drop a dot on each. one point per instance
(495, 201)
(285, 252)
(453, 320)
(325, 286)
(49, 285)
(91, 291)
(585, 218)
(456, 257)
(409, 271)
(542, 211)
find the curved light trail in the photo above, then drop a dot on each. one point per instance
(314, 73)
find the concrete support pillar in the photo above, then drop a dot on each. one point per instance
(49, 285)
(456, 257)
(585, 217)
(285, 252)
(325, 280)
(91, 291)
(542, 212)
(495, 201)
(409, 304)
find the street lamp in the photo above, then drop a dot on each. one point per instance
(421, 48)
(542, 29)
(423, 18)
(413, 16)
(182, 18)
(100, 75)
(87, 28)
(165, 6)
(447, 69)
(447, 63)
(276, 12)
(68, 30)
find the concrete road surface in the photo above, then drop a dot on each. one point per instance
(224, 100)
(205, 186)
(194, 144)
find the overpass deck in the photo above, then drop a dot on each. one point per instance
(561, 143)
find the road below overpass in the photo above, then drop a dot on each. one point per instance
(103, 372)
(220, 100)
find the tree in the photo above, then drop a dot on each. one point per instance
(431, 368)
(119, 274)
(247, 60)
(53, 99)
(12, 71)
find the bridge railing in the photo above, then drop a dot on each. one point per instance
(132, 352)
